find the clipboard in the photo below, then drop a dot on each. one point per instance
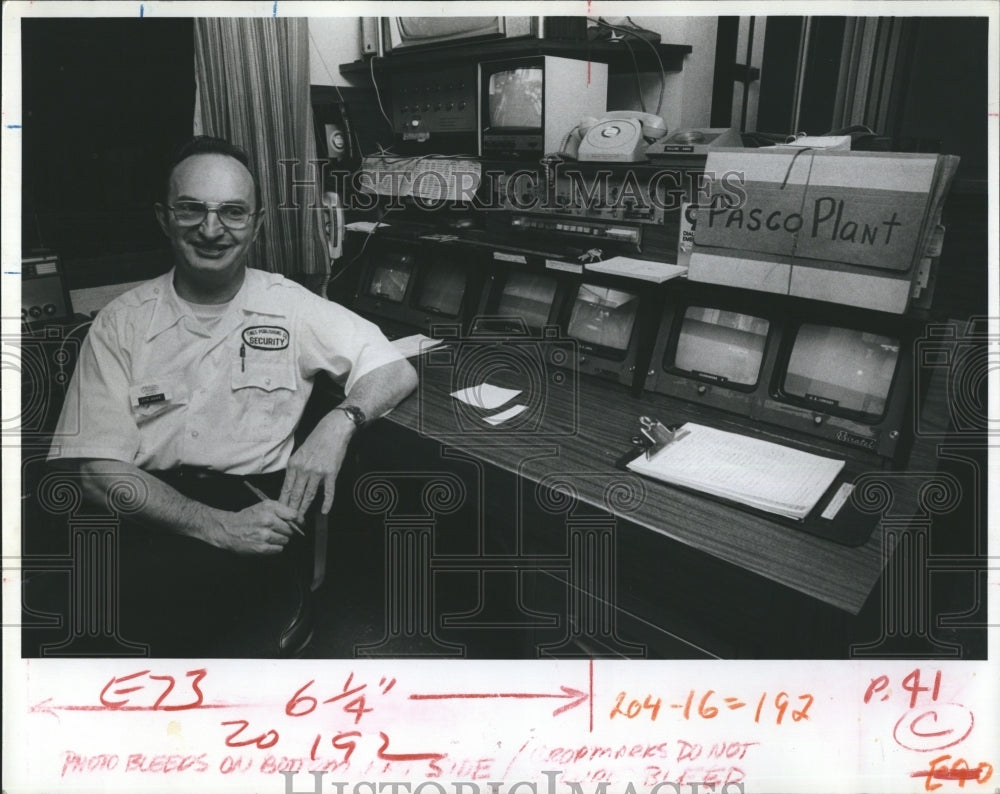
(846, 525)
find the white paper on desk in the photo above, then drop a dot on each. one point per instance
(750, 471)
(365, 226)
(485, 396)
(657, 272)
(410, 346)
(503, 416)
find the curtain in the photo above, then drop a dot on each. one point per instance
(253, 90)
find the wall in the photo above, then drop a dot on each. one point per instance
(332, 41)
(687, 99)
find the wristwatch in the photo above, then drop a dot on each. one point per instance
(356, 414)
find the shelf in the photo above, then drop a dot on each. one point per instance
(615, 55)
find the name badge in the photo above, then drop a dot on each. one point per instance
(150, 393)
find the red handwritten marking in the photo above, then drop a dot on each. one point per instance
(166, 764)
(938, 728)
(263, 741)
(196, 675)
(910, 683)
(387, 756)
(959, 770)
(43, 707)
(297, 698)
(575, 695)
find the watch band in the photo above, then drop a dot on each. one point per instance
(356, 414)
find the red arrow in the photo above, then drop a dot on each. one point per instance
(47, 707)
(567, 693)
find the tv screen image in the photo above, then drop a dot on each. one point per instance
(724, 345)
(529, 297)
(390, 279)
(418, 30)
(847, 368)
(603, 316)
(515, 97)
(442, 289)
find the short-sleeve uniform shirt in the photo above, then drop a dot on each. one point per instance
(154, 388)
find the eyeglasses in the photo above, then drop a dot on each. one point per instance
(193, 213)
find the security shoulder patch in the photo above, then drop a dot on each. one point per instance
(266, 337)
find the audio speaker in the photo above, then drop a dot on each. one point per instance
(44, 295)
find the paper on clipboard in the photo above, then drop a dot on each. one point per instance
(759, 474)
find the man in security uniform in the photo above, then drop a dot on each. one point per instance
(188, 392)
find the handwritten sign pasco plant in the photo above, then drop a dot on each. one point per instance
(823, 225)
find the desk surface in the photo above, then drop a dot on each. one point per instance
(580, 432)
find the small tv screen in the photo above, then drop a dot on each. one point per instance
(417, 30)
(845, 369)
(515, 97)
(528, 296)
(721, 345)
(390, 279)
(442, 289)
(603, 316)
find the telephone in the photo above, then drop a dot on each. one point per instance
(331, 225)
(616, 136)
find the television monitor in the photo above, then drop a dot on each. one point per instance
(390, 277)
(529, 297)
(714, 347)
(406, 33)
(725, 347)
(612, 321)
(602, 319)
(842, 371)
(522, 298)
(442, 288)
(529, 105)
(845, 380)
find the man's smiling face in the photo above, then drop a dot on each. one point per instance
(209, 250)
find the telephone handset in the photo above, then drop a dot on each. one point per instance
(331, 225)
(616, 135)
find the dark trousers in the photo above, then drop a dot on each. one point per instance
(184, 597)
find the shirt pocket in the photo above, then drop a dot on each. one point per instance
(264, 388)
(153, 399)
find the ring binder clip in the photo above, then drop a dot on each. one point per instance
(658, 435)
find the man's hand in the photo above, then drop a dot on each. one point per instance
(263, 528)
(317, 462)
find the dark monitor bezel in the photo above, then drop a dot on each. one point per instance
(690, 387)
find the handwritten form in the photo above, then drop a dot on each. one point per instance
(472, 727)
(756, 473)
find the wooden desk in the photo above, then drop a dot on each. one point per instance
(748, 578)
(593, 441)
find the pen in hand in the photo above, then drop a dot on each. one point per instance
(263, 496)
